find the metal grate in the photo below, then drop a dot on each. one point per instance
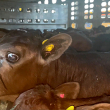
(15, 15)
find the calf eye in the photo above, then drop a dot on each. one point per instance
(12, 57)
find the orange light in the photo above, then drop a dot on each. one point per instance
(73, 25)
(106, 24)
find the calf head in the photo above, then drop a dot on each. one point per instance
(43, 97)
(22, 56)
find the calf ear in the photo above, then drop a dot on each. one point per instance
(68, 90)
(54, 47)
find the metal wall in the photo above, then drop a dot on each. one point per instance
(15, 15)
(62, 18)
(97, 13)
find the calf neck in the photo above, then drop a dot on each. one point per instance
(90, 70)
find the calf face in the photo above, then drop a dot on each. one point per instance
(42, 97)
(22, 57)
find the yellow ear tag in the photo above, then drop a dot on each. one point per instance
(70, 108)
(49, 47)
(44, 41)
